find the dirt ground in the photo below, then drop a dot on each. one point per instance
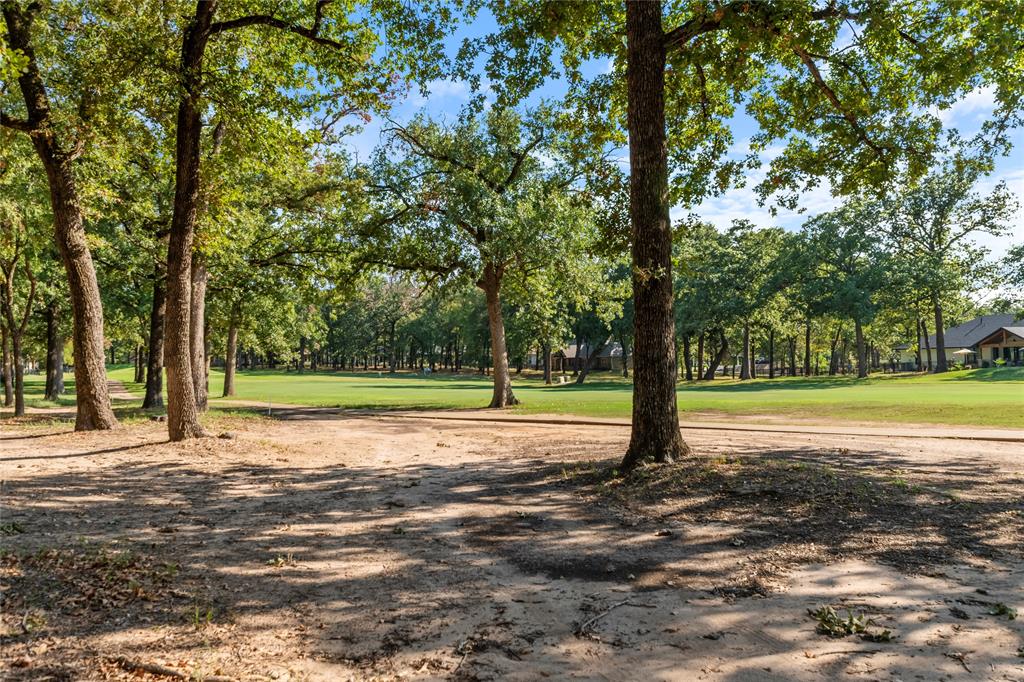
(326, 546)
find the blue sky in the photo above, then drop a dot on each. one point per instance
(446, 98)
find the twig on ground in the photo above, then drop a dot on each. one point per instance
(155, 669)
(957, 656)
(582, 630)
(808, 654)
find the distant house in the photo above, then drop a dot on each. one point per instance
(572, 358)
(979, 343)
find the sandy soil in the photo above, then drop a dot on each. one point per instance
(332, 547)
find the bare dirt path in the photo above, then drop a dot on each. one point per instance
(330, 546)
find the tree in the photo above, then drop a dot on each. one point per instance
(851, 267)
(16, 255)
(473, 202)
(276, 54)
(931, 223)
(688, 63)
(57, 151)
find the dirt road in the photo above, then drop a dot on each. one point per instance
(329, 547)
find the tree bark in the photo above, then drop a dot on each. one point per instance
(746, 364)
(230, 355)
(771, 353)
(940, 338)
(155, 359)
(862, 359)
(91, 392)
(491, 284)
(655, 432)
(182, 410)
(54, 353)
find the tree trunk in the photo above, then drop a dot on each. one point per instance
(655, 431)
(140, 364)
(771, 353)
(862, 357)
(589, 364)
(155, 361)
(546, 350)
(940, 338)
(197, 332)
(182, 411)
(624, 342)
(920, 344)
(746, 364)
(700, 356)
(8, 367)
(687, 358)
(54, 353)
(491, 284)
(792, 356)
(833, 358)
(807, 348)
(718, 358)
(19, 374)
(230, 355)
(91, 392)
(927, 344)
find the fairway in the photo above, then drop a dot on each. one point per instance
(991, 397)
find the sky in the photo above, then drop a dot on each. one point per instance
(446, 98)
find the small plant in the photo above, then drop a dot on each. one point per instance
(200, 618)
(1002, 609)
(11, 529)
(282, 560)
(830, 623)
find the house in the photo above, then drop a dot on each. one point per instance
(979, 343)
(572, 358)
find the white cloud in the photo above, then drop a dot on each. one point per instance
(974, 108)
(442, 89)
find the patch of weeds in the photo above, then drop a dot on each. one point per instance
(201, 617)
(830, 623)
(283, 560)
(11, 529)
(33, 621)
(899, 482)
(1002, 609)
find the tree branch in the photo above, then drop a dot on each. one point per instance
(312, 33)
(834, 99)
(679, 36)
(16, 123)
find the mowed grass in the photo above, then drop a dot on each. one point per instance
(986, 397)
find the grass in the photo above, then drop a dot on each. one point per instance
(985, 397)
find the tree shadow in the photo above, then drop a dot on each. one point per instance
(497, 560)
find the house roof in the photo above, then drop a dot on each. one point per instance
(1015, 331)
(969, 334)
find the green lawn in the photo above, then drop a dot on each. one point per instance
(993, 397)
